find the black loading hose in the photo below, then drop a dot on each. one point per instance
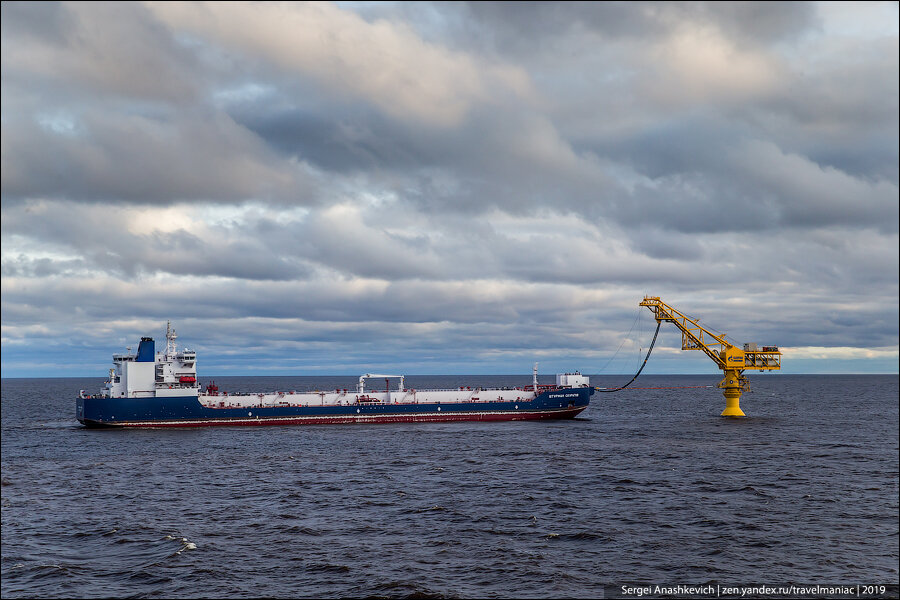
(644, 364)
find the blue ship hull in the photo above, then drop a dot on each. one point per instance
(187, 411)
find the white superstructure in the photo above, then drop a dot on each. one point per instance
(575, 379)
(150, 374)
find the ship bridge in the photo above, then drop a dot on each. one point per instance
(150, 374)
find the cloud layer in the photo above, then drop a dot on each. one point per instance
(447, 187)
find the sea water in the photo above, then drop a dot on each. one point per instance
(649, 486)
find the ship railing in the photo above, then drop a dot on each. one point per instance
(240, 401)
(475, 389)
(343, 392)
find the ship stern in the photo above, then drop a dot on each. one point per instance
(89, 411)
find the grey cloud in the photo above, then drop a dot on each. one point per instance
(113, 48)
(533, 27)
(494, 159)
(49, 21)
(698, 182)
(843, 115)
(328, 226)
(549, 318)
(756, 22)
(146, 160)
(703, 172)
(104, 243)
(180, 253)
(337, 140)
(521, 25)
(25, 266)
(387, 245)
(657, 243)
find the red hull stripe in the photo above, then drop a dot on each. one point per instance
(347, 419)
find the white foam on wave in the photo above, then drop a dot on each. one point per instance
(186, 544)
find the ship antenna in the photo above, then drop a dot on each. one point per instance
(170, 339)
(535, 377)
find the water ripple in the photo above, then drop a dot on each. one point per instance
(650, 486)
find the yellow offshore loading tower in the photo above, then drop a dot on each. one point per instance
(732, 360)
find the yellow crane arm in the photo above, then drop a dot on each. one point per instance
(725, 354)
(728, 357)
(693, 335)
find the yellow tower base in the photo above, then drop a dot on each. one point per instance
(732, 385)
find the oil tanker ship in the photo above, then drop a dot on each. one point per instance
(161, 389)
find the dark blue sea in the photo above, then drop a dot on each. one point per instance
(646, 487)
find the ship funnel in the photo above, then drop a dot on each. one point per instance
(146, 350)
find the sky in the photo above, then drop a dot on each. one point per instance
(448, 188)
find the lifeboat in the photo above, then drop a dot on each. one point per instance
(187, 379)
